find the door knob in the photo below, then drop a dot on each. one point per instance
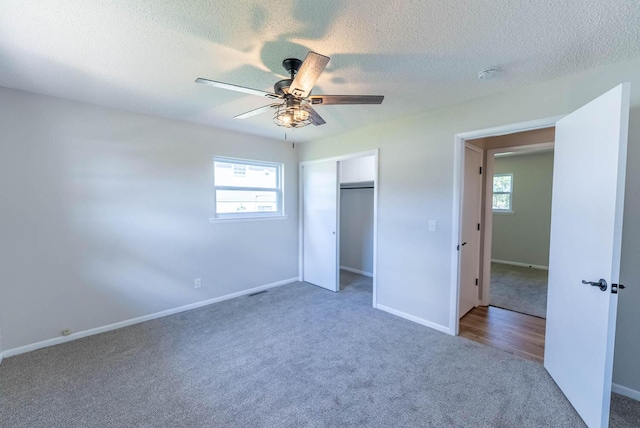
(601, 283)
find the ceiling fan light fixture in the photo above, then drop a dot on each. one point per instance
(294, 116)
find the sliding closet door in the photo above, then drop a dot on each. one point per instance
(320, 224)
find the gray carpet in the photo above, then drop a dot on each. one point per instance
(520, 289)
(296, 356)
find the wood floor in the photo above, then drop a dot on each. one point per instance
(510, 331)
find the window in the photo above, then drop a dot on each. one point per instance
(502, 192)
(247, 188)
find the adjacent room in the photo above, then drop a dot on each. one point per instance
(520, 236)
(300, 213)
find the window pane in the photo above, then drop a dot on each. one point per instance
(502, 183)
(243, 175)
(245, 201)
(502, 201)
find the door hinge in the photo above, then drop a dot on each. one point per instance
(478, 226)
(476, 281)
(480, 170)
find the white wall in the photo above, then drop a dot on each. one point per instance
(416, 184)
(356, 229)
(523, 236)
(105, 217)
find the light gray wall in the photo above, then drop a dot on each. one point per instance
(105, 217)
(416, 184)
(356, 229)
(523, 236)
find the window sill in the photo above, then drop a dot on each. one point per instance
(213, 220)
(504, 212)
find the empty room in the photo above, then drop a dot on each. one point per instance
(252, 214)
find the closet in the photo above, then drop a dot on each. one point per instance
(357, 177)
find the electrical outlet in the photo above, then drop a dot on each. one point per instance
(66, 332)
(197, 283)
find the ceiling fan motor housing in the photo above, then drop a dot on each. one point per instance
(282, 86)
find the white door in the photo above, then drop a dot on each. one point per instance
(470, 245)
(320, 224)
(586, 234)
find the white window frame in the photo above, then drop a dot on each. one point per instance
(510, 209)
(260, 215)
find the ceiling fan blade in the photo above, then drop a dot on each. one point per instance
(237, 88)
(310, 70)
(317, 119)
(346, 99)
(256, 111)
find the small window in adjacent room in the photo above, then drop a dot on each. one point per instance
(502, 192)
(247, 188)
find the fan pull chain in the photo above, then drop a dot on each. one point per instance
(293, 143)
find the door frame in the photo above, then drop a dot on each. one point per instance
(458, 180)
(487, 226)
(375, 153)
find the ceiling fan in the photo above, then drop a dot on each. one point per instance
(293, 110)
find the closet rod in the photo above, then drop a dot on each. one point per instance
(363, 187)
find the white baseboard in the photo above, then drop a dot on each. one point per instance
(58, 340)
(627, 392)
(506, 262)
(361, 272)
(414, 319)
(1, 357)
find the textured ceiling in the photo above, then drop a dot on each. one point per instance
(143, 55)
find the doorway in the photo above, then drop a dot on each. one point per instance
(520, 198)
(585, 244)
(516, 201)
(338, 234)
(357, 189)
(514, 229)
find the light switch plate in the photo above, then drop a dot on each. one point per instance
(432, 225)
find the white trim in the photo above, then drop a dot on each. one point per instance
(627, 392)
(361, 272)
(513, 128)
(456, 223)
(507, 262)
(126, 323)
(375, 227)
(214, 220)
(1, 357)
(343, 157)
(458, 171)
(415, 319)
(300, 222)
